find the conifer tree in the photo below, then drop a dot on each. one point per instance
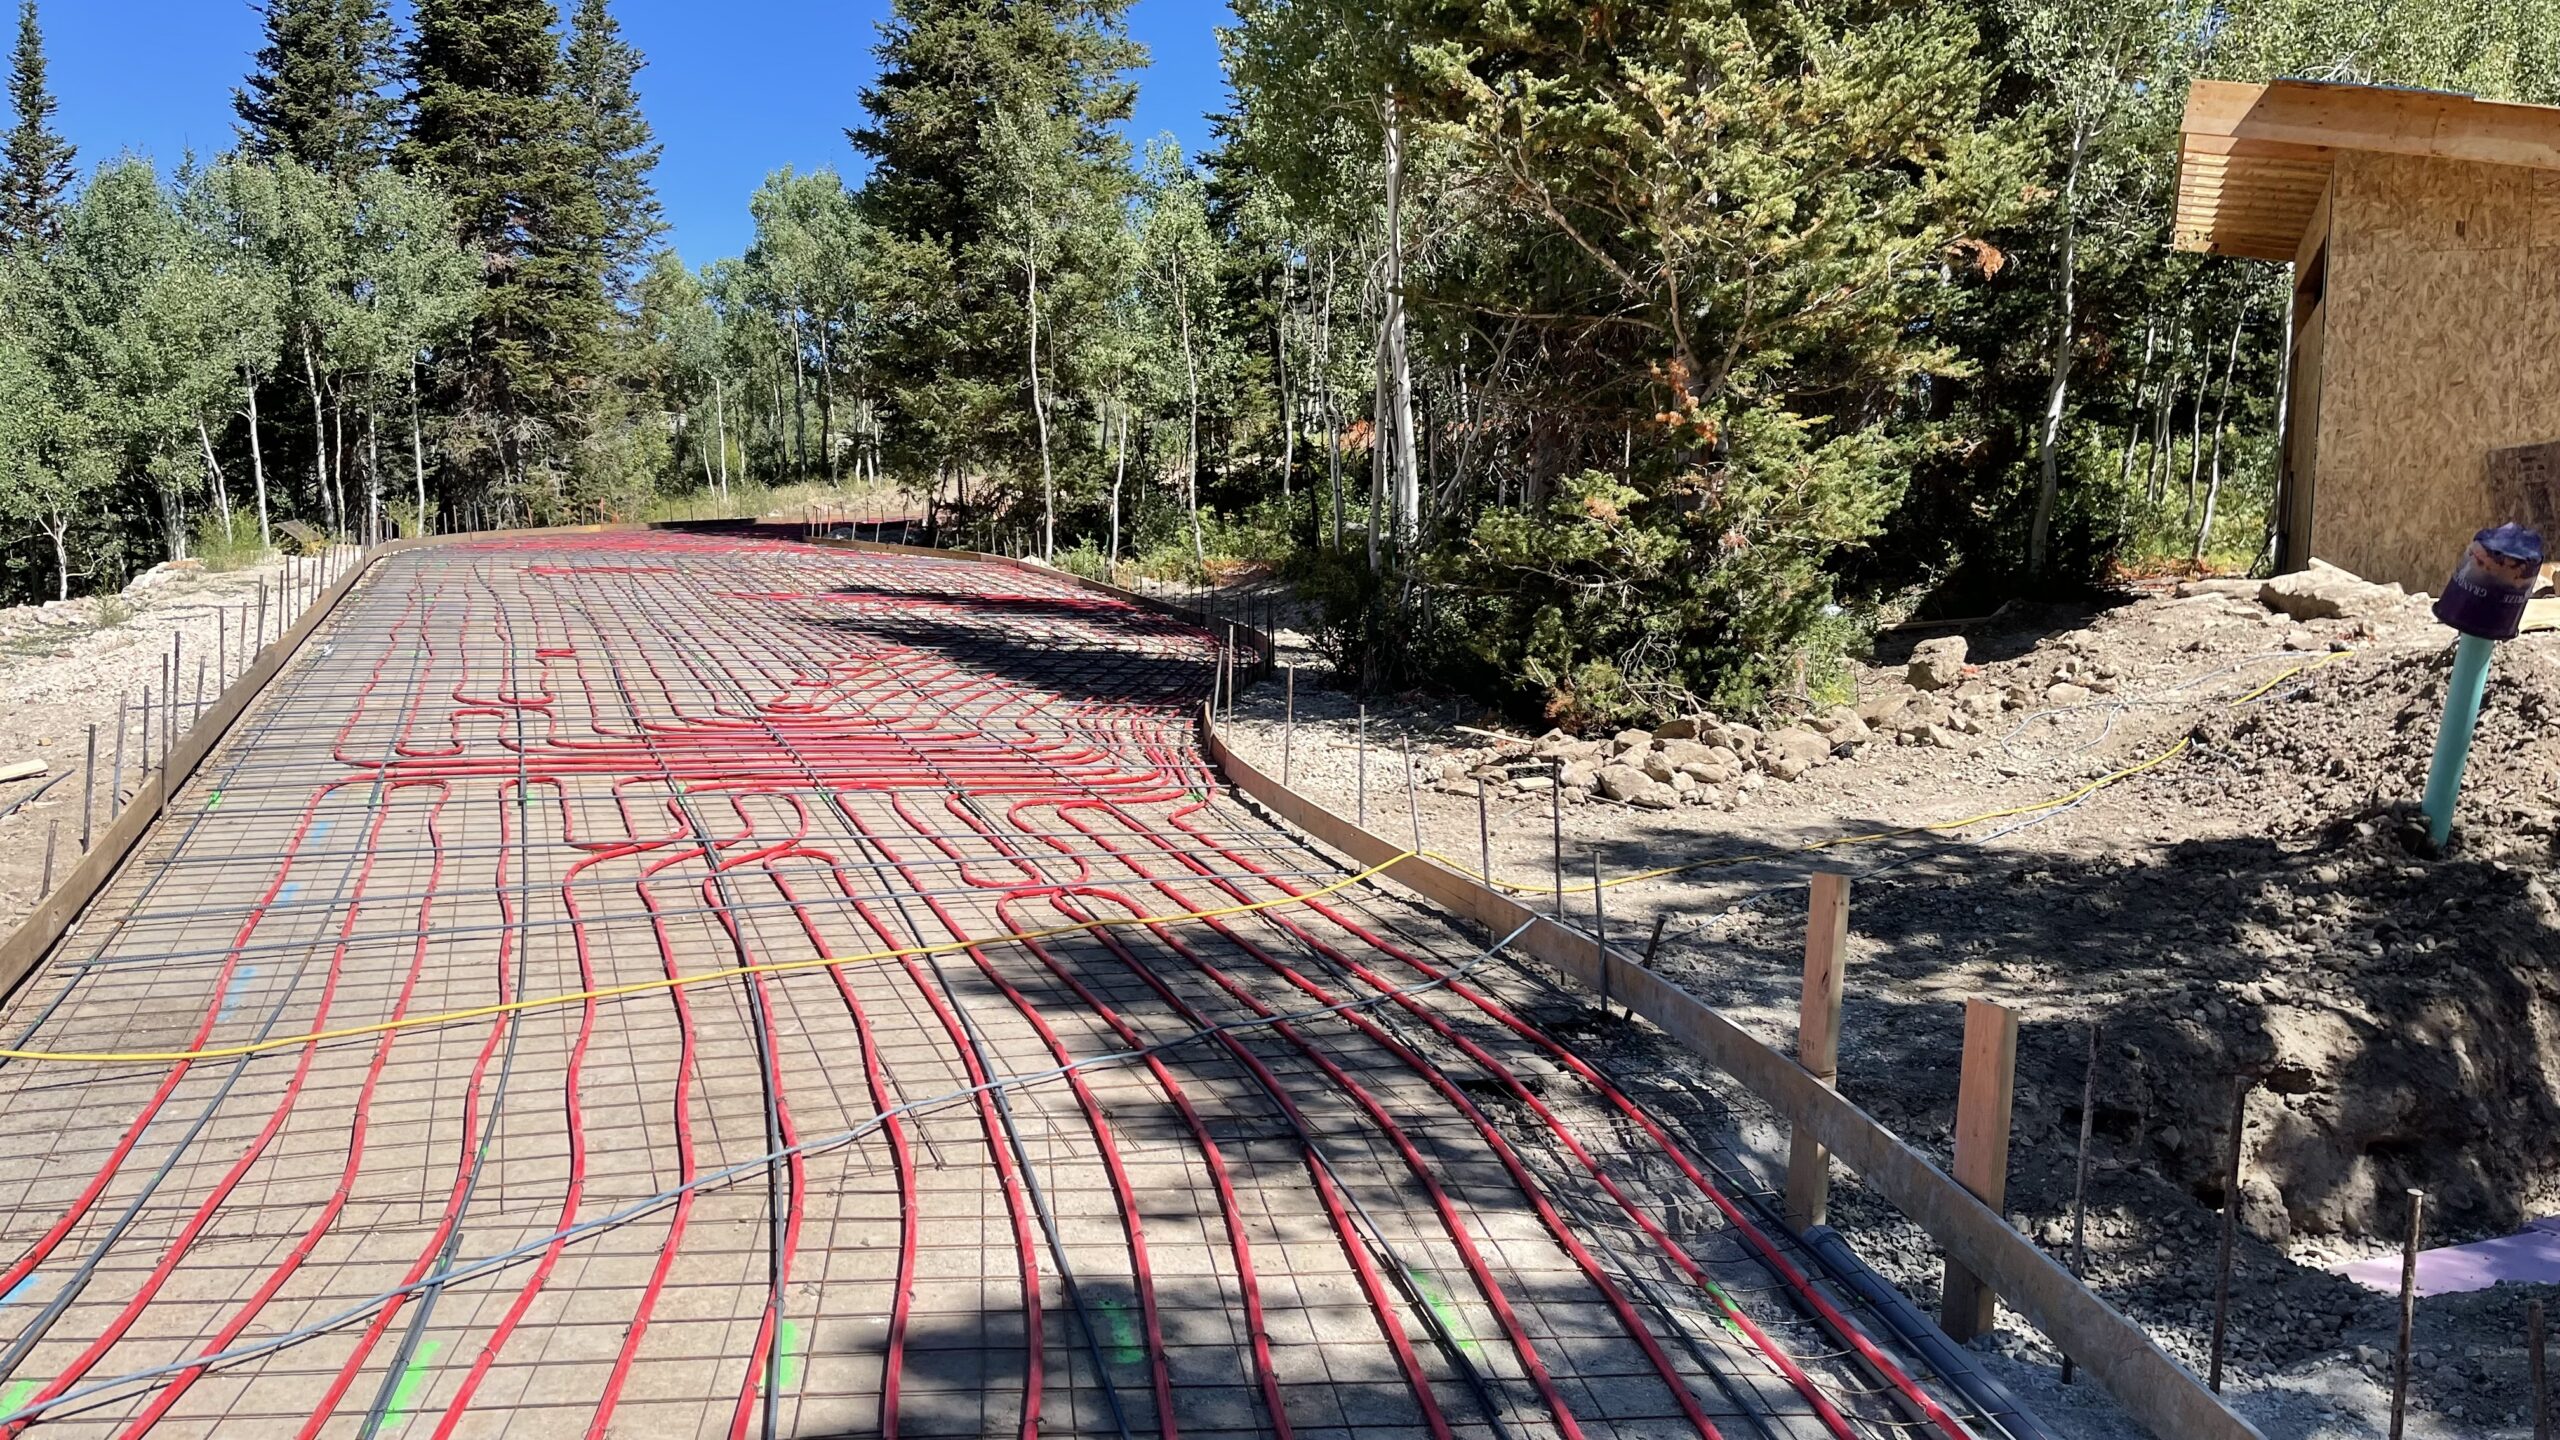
(322, 91)
(493, 126)
(614, 142)
(37, 159)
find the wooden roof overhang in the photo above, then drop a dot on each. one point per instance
(2254, 160)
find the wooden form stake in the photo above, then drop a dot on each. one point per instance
(1984, 1092)
(1826, 942)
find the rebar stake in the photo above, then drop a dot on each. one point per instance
(2230, 1226)
(2080, 1182)
(2408, 1312)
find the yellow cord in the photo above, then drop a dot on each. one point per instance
(1871, 837)
(644, 987)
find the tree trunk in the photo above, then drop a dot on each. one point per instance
(827, 403)
(720, 418)
(1040, 413)
(1280, 366)
(1191, 372)
(57, 527)
(1408, 505)
(418, 452)
(799, 402)
(1119, 478)
(2142, 383)
(213, 472)
(257, 460)
(1332, 404)
(2065, 327)
(319, 438)
(2221, 412)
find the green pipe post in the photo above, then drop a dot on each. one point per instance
(2453, 742)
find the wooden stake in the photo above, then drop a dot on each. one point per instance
(1985, 1090)
(2230, 1227)
(1826, 942)
(2080, 1184)
(2408, 1312)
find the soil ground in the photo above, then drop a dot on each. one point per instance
(71, 664)
(2260, 901)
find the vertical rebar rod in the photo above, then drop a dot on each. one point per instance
(1412, 795)
(2230, 1227)
(115, 783)
(198, 713)
(1600, 928)
(88, 793)
(1360, 743)
(143, 758)
(2080, 1182)
(52, 837)
(1289, 728)
(2408, 1312)
(1653, 942)
(262, 615)
(1484, 834)
(2534, 1371)
(1555, 816)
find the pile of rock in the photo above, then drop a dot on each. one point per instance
(1696, 761)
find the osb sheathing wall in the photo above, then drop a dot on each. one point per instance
(2442, 344)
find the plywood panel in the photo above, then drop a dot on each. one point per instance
(2442, 343)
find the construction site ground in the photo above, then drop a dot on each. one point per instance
(2255, 895)
(666, 985)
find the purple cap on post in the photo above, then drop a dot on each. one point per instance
(2487, 594)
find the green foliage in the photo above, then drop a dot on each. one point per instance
(321, 95)
(35, 161)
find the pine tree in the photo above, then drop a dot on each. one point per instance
(615, 142)
(494, 128)
(38, 160)
(322, 90)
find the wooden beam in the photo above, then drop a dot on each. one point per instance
(2376, 118)
(1984, 1091)
(1826, 955)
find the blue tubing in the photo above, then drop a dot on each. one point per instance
(2453, 742)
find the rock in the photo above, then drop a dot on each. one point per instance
(1534, 784)
(2325, 592)
(1936, 664)
(1566, 748)
(2189, 589)
(1630, 786)
(1843, 726)
(1943, 738)
(1785, 767)
(1685, 752)
(1581, 775)
(1880, 708)
(1682, 782)
(2067, 694)
(1706, 774)
(1812, 746)
(1659, 767)
(1627, 741)
(1686, 729)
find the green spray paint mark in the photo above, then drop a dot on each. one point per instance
(405, 1394)
(213, 801)
(1125, 1347)
(793, 1354)
(1451, 1322)
(18, 1394)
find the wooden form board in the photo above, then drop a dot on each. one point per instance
(1986, 1093)
(1826, 956)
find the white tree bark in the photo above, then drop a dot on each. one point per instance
(2065, 330)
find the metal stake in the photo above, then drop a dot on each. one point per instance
(1600, 927)
(1654, 944)
(1555, 814)
(1484, 835)
(1362, 745)
(262, 615)
(2230, 1225)
(1412, 796)
(2080, 1185)
(88, 793)
(1289, 729)
(2534, 1366)
(145, 756)
(199, 710)
(115, 786)
(222, 643)
(2408, 1312)
(52, 835)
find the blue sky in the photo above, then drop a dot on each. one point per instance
(736, 88)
